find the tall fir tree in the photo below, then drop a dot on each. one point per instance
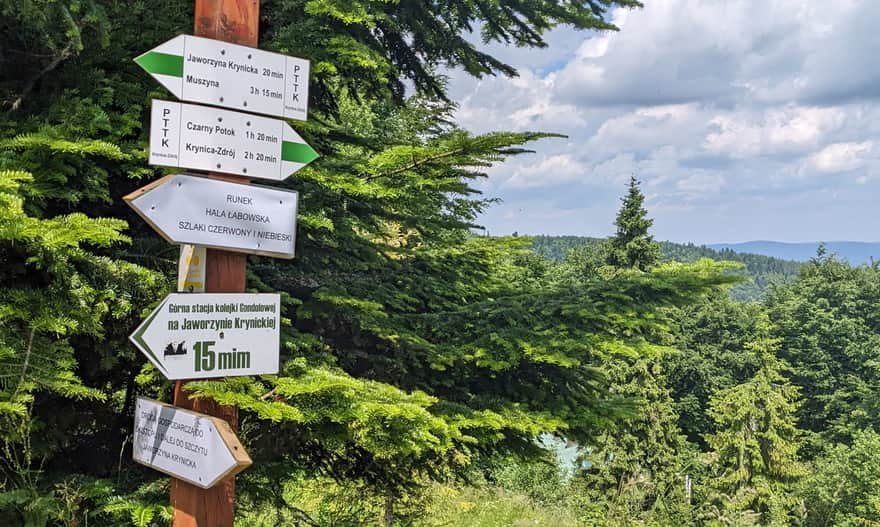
(635, 462)
(755, 450)
(632, 247)
(828, 323)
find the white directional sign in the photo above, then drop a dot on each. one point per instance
(220, 214)
(222, 74)
(199, 336)
(204, 138)
(197, 448)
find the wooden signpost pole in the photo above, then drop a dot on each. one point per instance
(235, 21)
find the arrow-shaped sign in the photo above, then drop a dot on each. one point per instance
(197, 448)
(204, 138)
(200, 336)
(222, 74)
(220, 214)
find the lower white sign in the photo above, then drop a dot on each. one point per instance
(206, 335)
(197, 448)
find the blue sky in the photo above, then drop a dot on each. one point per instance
(744, 120)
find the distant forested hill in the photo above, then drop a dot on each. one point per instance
(856, 253)
(762, 270)
(556, 247)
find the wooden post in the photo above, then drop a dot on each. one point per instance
(235, 21)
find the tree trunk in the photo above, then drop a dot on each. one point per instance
(389, 508)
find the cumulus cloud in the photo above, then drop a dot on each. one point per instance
(789, 130)
(729, 111)
(617, 169)
(522, 103)
(841, 157)
(551, 170)
(701, 184)
(680, 51)
(654, 60)
(643, 129)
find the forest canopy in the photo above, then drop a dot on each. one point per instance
(422, 366)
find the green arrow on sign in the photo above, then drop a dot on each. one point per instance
(297, 153)
(138, 338)
(161, 63)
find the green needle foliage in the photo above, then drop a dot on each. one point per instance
(842, 489)
(755, 450)
(57, 297)
(635, 465)
(711, 336)
(414, 353)
(632, 247)
(828, 323)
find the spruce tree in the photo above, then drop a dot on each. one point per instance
(632, 247)
(636, 461)
(827, 320)
(755, 450)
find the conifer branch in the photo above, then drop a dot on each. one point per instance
(418, 162)
(24, 366)
(29, 86)
(304, 517)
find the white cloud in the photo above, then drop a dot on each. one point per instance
(701, 184)
(841, 157)
(676, 51)
(647, 128)
(729, 111)
(521, 103)
(789, 130)
(671, 52)
(616, 170)
(551, 170)
(593, 48)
